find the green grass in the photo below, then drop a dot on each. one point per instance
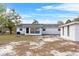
(13, 38)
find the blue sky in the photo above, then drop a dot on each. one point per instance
(45, 12)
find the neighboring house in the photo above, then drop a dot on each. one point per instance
(38, 29)
(70, 31)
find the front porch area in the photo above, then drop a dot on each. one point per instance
(33, 31)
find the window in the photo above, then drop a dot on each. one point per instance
(59, 29)
(63, 31)
(43, 29)
(68, 30)
(20, 29)
(35, 30)
(27, 30)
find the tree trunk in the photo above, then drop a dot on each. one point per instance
(10, 31)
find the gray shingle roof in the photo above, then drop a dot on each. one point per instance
(38, 25)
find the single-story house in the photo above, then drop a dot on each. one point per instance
(38, 29)
(70, 31)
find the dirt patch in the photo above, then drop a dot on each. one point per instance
(42, 47)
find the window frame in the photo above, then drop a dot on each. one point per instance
(68, 30)
(44, 29)
(20, 29)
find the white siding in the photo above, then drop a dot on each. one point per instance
(77, 32)
(71, 32)
(65, 31)
(23, 30)
(47, 31)
(51, 31)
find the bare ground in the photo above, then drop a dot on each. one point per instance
(41, 47)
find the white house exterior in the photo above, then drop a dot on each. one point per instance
(38, 29)
(70, 31)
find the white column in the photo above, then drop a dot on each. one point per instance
(61, 31)
(25, 30)
(40, 31)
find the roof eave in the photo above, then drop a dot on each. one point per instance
(72, 23)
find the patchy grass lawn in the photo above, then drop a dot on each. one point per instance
(33, 46)
(13, 38)
(58, 48)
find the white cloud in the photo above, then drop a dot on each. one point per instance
(47, 21)
(38, 9)
(68, 7)
(65, 7)
(65, 15)
(48, 15)
(47, 18)
(41, 21)
(47, 7)
(26, 21)
(25, 15)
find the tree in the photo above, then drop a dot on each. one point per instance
(60, 22)
(13, 20)
(68, 21)
(10, 20)
(9, 24)
(17, 19)
(2, 21)
(76, 19)
(14, 16)
(35, 22)
(2, 8)
(2, 11)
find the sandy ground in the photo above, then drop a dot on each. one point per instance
(42, 47)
